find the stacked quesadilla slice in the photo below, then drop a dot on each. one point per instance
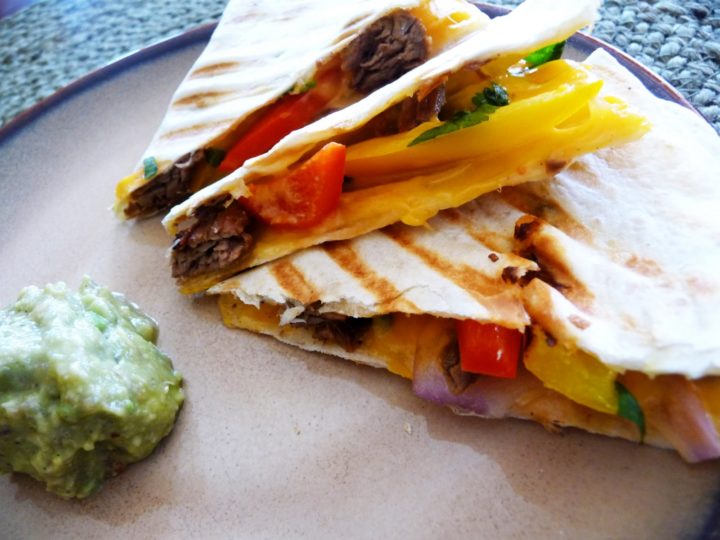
(273, 67)
(586, 301)
(495, 121)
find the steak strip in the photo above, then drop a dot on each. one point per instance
(219, 238)
(348, 332)
(456, 379)
(386, 50)
(166, 189)
(409, 113)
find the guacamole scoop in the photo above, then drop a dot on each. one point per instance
(84, 391)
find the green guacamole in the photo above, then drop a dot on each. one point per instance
(84, 391)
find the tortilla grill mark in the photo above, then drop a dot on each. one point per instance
(542, 206)
(201, 100)
(485, 290)
(214, 69)
(195, 129)
(348, 259)
(492, 240)
(646, 267)
(294, 282)
(579, 322)
(554, 166)
(555, 270)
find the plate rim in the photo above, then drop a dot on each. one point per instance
(580, 40)
(202, 33)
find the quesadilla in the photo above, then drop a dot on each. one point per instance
(495, 119)
(587, 301)
(272, 67)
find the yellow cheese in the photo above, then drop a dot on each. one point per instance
(393, 338)
(573, 373)
(446, 22)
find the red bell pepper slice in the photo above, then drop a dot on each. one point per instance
(288, 114)
(305, 195)
(489, 349)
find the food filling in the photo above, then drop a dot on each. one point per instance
(386, 50)
(219, 236)
(389, 48)
(476, 131)
(166, 189)
(553, 383)
(348, 332)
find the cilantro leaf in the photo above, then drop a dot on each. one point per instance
(546, 54)
(214, 156)
(309, 85)
(150, 167)
(629, 408)
(486, 103)
(494, 95)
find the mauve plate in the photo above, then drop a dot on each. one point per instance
(273, 441)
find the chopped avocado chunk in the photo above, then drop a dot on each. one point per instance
(84, 391)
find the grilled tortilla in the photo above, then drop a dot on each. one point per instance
(264, 58)
(336, 179)
(608, 269)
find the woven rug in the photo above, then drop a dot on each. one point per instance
(54, 42)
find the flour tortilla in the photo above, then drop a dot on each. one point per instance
(420, 195)
(259, 51)
(628, 247)
(627, 235)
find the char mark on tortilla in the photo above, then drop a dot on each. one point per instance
(166, 189)
(386, 50)
(218, 238)
(348, 332)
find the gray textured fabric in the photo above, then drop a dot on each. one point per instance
(53, 42)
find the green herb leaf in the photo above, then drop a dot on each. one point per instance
(308, 85)
(384, 322)
(486, 103)
(493, 95)
(150, 167)
(214, 156)
(544, 55)
(629, 408)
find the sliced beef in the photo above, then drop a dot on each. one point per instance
(166, 189)
(217, 239)
(457, 380)
(409, 113)
(387, 49)
(348, 332)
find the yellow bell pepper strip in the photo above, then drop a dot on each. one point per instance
(415, 200)
(516, 125)
(486, 102)
(573, 373)
(708, 388)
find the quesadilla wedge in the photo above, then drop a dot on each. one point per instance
(586, 301)
(503, 121)
(272, 67)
